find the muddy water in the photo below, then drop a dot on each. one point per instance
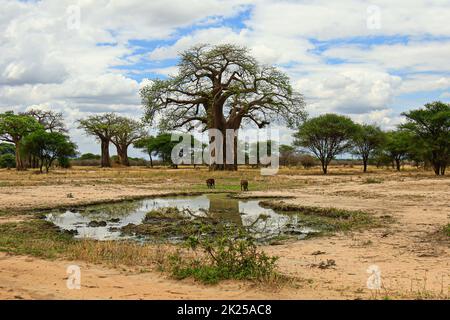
(265, 223)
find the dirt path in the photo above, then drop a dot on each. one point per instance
(30, 278)
(414, 261)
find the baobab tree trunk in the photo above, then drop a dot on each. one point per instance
(122, 153)
(231, 150)
(106, 161)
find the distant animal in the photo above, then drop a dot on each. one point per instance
(211, 183)
(244, 185)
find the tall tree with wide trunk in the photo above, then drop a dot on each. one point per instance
(103, 128)
(222, 87)
(13, 128)
(126, 132)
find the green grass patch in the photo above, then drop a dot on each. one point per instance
(325, 220)
(35, 237)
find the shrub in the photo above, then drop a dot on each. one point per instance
(7, 161)
(307, 161)
(228, 256)
(64, 163)
(447, 230)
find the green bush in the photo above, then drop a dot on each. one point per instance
(229, 256)
(447, 230)
(64, 162)
(7, 161)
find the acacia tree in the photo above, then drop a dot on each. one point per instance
(431, 126)
(146, 145)
(13, 128)
(51, 121)
(126, 131)
(398, 146)
(48, 147)
(103, 128)
(326, 136)
(367, 139)
(222, 87)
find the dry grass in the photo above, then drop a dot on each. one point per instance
(187, 177)
(42, 239)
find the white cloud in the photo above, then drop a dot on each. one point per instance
(45, 63)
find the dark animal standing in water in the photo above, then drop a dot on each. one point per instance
(211, 183)
(244, 185)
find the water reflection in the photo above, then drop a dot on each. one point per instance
(263, 222)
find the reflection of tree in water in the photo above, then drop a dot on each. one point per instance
(224, 208)
(113, 210)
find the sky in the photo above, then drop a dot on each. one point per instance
(369, 60)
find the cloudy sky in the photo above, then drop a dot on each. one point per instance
(370, 60)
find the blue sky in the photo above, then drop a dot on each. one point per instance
(370, 60)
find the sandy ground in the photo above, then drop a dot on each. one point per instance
(413, 259)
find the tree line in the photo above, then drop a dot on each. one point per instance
(223, 87)
(38, 138)
(423, 138)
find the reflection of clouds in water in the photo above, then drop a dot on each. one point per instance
(247, 213)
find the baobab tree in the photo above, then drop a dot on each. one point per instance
(103, 128)
(51, 121)
(222, 87)
(126, 131)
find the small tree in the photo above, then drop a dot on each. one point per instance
(366, 140)
(51, 121)
(7, 148)
(147, 145)
(13, 128)
(7, 161)
(102, 127)
(431, 126)
(126, 132)
(307, 161)
(287, 155)
(326, 136)
(7, 155)
(48, 147)
(397, 147)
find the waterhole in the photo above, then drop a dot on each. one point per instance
(106, 222)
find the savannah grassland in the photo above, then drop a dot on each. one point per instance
(408, 240)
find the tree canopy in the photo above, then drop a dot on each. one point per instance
(431, 126)
(126, 131)
(367, 139)
(103, 128)
(48, 147)
(13, 128)
(51, 121)
(326, 136)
